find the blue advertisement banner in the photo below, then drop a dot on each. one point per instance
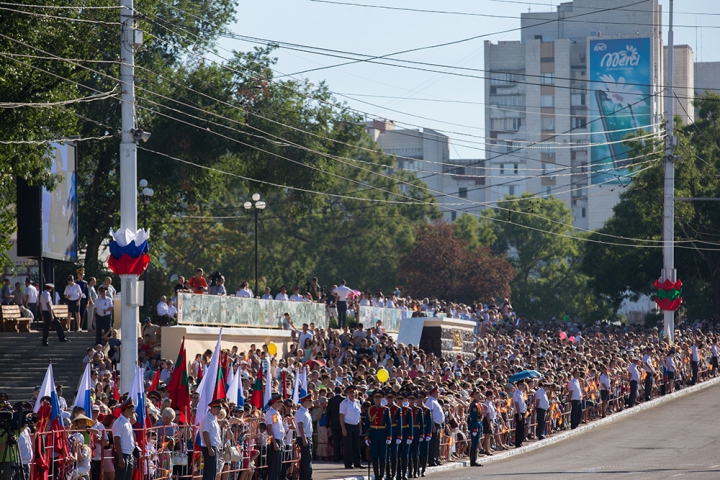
(620, 74)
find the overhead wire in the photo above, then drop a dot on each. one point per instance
(94, 98)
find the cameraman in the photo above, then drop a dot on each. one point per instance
(9, 452)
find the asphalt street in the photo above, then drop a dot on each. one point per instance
(677, 439)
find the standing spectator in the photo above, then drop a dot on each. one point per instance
(84, 323)
(211, 441)
(162, 310)
(103, 309)
(350, 424)
(124, 441)
(218, 288)
(575, 391)
(48, 315)
(518, 400)
(333, 417)
(438, 418)
(541, 407)
(109, 286)
(283, 294)
(315, 290)
(6, 292)
(670, 370)
(31, 297)
(296, 297)
(245, 292)
(649, 372)
(331, 306)
(694, 360)
(634, 376)
(268, 294)
(18, 296)
(180, 286)
(342, 292)
(198, 284)
(73, 294)
(92, 297)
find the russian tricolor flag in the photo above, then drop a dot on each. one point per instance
(82, 399)
(128, 252)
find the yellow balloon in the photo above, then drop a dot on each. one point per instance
(272, 349)
(383, 375)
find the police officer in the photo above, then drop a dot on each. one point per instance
(211, 442)
(418, 436)
(473, 422)
(124, 440)
(276, 436)
(379, 433)
(407, 435)
(303, 420)
(396, 424)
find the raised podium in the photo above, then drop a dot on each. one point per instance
(444, 337)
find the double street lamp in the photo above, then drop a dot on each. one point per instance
(257, 206)
(146, 193)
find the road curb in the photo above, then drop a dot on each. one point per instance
(559, 437)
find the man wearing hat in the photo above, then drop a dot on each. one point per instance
(379, 433)
(350, 410)
(418, 434)
(438, 418)
(406, 435)
(276, 436)
(396, 431)
(48, 316)
(211, 441)
(473, 423)
(84, 299)
(124, 441)
(303, 421)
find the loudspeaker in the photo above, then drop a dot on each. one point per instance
(29, 219)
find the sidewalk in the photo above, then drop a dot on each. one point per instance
(330, 470)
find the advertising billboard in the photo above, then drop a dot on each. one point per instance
(620, 74)
(59, 207)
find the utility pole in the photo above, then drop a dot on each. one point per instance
(130, 39)
(668, 271)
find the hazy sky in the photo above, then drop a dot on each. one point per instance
(424, 99)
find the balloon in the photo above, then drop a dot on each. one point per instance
(563, 335)
(572, 339)
(383, 375)
(272, 349)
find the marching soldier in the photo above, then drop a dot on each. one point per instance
(417, 417)
(396, 427)
(473, 423)
(407, 436)
(426, 429)
(379, 433)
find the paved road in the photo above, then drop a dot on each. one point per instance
(678, 439)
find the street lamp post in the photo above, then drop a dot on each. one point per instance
(147, 194)
(258, 205)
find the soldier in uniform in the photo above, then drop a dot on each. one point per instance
(426, 429)
(473, 423)
(379, 433)
(407, 436)
(418, 436)
(396, 426)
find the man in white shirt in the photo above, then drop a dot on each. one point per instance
(303, 421)
(124, 441)
(604, 390)
(575, 391)
(276, 436)
(634, 376)
(100, 442)
(162, 308)
(73, 294)
(304, 335)
(283, 294)
(103, 311)
(350, 410)
(48, 316)
(649, 368)
(296, 297)
(268, 294)
(695, 360)
(211, 441)
(438, 418)
(31, 297)
(541, 407)
(342, 292)
(244, 291)
(518, 400)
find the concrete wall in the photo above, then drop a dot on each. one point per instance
(683, 81)
(707, 77)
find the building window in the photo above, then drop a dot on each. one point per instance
(578, 75)
(515, 168)
(502, 169)
(548, 155)
(578, 122)
(548, 123)
(511, 190)
(548, 171)
(547, 59)
(548, 191)
(462, 193)
(547, 78)
(547, 101)
(505, 123)
(583, 212)
(508, 100)
(500, 79)
(577, 100)
(453, 214)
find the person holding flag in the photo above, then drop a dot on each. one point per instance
(124, 440)
(211, 441)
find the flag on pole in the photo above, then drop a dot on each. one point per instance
(155, 380)
(232, 389)
(240, 392)
(268, 390)
(284, 386)
(82, 398)
(49, 419)
(303, 384)
(230, 378)
(206, 389)
(296, 388)
(137, 393)
(178, 387)
(256, 397)
(220, 390)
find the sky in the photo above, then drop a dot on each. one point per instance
(413, 98)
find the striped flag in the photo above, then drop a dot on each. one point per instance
(82, 398)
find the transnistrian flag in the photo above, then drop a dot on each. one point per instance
(178, 385)
(256, 397)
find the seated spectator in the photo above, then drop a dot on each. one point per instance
(283, 294)
(245, 292)
(296, 297)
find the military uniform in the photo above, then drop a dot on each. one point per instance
(378, 436)
(418, 437)
(473, 422)
(426, 429)
(406, 439)
(396, 427)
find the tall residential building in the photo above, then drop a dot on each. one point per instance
(458, 185)
(560, 100)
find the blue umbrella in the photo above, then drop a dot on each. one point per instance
(523, 375)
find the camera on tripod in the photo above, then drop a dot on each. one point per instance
(213, 277)
(16, 420)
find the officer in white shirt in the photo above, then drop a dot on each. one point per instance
(541, 407)
(634, 376)
(350, 425)
(276, 435)
(520, 407)
(124, 441)
(303, 420)
(48, 316)
(576, 394)
(649, 368)
(342, 292)
(211, 441)
(438, 418)
(31, 297)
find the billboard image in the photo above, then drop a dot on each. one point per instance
(620, 74)
(59, 207)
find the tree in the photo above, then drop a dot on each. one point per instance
(546, 252)
(443, 265)
(629, 242)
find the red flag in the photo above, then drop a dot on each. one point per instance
(116, 392)
(220, 390)
(225, 364)
(155, 380)
(178, 385)
(256, 397)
